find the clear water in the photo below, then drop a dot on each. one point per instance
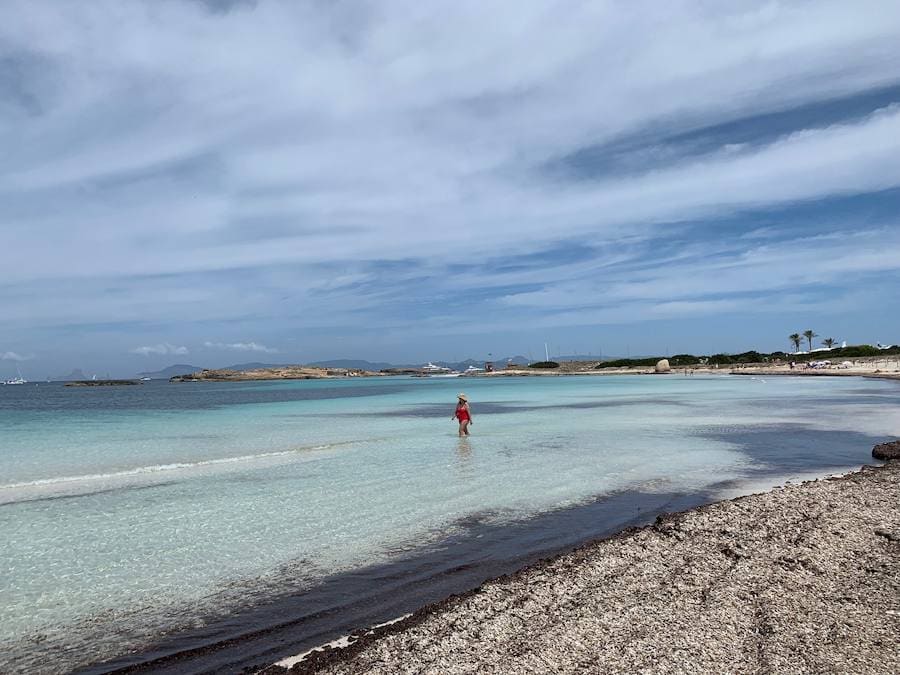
(128, 513)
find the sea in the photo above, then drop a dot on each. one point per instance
(219, 527)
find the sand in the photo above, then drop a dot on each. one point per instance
(804, 578)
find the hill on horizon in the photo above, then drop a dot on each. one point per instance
(353, 364)
(254, 365)
(76, 374)
(171, 371)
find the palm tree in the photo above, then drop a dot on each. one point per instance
(809, 335)
(829, 342)
(795, 340)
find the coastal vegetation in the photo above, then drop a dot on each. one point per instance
(809, 335)
(544, 364)
(682, 360)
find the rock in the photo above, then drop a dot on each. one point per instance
(662, 366)
(890, 536)
(101, 383)
(887, 451)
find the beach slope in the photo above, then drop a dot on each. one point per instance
(804, 578)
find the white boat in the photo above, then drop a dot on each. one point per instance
(145, 379)
(17, 380)
(432, 370)
(471, 370)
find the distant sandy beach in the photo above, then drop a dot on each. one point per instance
(880, 367)
(803, 578)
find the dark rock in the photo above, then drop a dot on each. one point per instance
(890, 536)
(886, 451)
(101, 383)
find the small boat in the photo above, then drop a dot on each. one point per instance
(432, 370)
(17, 380)
(145, 379)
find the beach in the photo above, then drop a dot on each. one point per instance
(803, 578)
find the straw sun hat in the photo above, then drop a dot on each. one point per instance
(462, 397)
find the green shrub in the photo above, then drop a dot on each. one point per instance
(544, 364)
(627, 363)
(683, 360)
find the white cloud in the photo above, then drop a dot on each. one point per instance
(222, 184)
(14, 356)
(241, 347)
(407, 124)
(161, 348)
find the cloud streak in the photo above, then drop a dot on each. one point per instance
(160, 349)
(241, 347)
(15, 356)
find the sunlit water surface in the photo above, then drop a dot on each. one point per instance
(128, 512)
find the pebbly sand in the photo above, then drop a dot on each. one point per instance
(804, 578)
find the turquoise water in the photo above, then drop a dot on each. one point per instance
(127, 513)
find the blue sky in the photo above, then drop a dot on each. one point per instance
(216, 182)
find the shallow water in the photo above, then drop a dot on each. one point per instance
(131, 513)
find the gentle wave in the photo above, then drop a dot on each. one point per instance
(26, 490)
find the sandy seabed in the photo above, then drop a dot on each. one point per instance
(800, 579)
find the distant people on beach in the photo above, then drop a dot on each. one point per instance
(463, 414)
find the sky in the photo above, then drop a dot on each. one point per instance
(208, 182)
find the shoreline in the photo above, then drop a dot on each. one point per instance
(800, 577)
(379, 593)
(869, 374)
(864, 367)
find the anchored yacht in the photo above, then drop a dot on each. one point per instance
(17, 380)
(432, 370)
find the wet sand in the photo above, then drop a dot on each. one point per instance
(804, 578)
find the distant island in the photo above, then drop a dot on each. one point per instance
(101, 383)
(171, 371)
(290, 372)
(76, 374)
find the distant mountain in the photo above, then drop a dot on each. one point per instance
(255, 365)
(501, 362)
(171, 371)
(353, 364)
(582, 357)
(76, 374)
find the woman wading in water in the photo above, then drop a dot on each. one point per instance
(463, 415)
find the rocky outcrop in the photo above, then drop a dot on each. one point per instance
(277, 373)
(886, 451)
(101, 383)
(662, 366)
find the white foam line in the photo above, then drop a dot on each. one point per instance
(339, 643)
(158, 468)
(753, 486)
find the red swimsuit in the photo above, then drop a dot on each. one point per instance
(462, 414)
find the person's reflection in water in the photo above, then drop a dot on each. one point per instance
(464, 458)
(464, 449)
